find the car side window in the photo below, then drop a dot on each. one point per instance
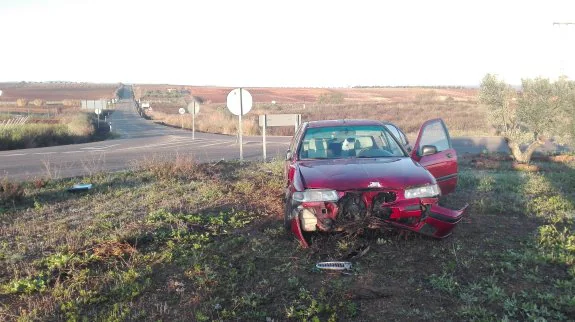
(434, 134)
(396, 133)
(393, 148)
(402, 138)
(296, 139)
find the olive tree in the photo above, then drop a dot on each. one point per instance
(539, 111)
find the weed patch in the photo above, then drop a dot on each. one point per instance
(175, 240)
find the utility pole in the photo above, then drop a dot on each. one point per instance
(563, 43)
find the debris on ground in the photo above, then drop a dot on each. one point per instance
(80, 187)
(335, 266)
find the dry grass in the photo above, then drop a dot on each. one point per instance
(406, 107)
(66, 129)
(465, 118)
(217, 120)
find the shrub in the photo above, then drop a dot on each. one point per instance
(38, 102)
(79, 125)
(21, 102)
(10, 191)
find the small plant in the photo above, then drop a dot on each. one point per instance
(40, 182)
(27, 285)
(10, 191)
(445, 283)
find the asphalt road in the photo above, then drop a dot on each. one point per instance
(141, 139)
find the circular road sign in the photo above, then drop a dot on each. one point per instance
(0, 93)
(193, 110)
(234, 101)
(181, 110)
(98, 111)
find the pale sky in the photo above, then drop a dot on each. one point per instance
(285, 43)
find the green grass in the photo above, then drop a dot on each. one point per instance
(181, 241)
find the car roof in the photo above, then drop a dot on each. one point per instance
(330, 123)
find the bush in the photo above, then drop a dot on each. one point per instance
(38, 102)
(21, 102)
(10, 191)
(79, 125)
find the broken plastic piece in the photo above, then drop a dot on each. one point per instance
(358, 252)
(336, 266)
(80, 187)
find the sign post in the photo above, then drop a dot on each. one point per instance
(264, 137)
(239, 102)
(194, 108)
(98, 112)
(240, 127)
(277, 120)
(182, 111)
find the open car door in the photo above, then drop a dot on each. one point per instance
(433, 151)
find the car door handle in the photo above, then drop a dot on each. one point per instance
(449, 155)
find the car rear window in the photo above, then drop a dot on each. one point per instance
(349, 142)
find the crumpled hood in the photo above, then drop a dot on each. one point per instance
(352, 174)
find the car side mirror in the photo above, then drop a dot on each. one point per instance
(288, 155)
(428, 150)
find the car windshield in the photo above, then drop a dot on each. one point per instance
(340, 142)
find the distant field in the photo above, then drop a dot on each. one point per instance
(406, 107)
(56, 91)
(210, 94)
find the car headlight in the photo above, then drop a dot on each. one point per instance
(422, 192)
(312, 195)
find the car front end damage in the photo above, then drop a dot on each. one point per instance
(350, 211)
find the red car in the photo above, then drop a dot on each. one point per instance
(342, 173)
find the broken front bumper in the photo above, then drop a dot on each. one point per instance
(422, 215)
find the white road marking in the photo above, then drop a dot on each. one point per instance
(43, 153)
(74, 152)
(100, 147)
(12, 155)
(175, 143)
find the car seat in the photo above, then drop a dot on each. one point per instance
(317, 149)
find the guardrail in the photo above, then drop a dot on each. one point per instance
(14, 122)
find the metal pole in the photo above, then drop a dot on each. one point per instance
(264, 137)
(182, 119)
(240, 127)
(194, 122)
(295, 125)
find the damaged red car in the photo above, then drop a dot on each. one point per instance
(344, 172)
